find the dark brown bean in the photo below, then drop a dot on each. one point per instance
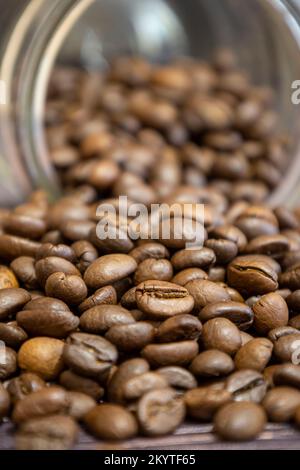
(111, 422)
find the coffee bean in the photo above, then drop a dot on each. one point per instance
(245, 337)
(89, 355)
(280, 331)
(270, 312)
(126, 371)
(108, 269)
(178, 353)
(197, 258)
(4, 402)
(179, 328)
(253, 274)
(152, 269)
(131, 337)
(7, 278)
(291, 277)
(212, 363)
(281, 403)
(160, 412)
(77, 231)
(137, 386)
(43, 402)
(23, 385)
(240, 421)
(217, 274)
(76, 383)
(8, 363)
(178, 377)
(295, 322)
(293, 300)
(80, 405)
(67, 287)
(287, 374)
(12, 334)
(286, 348)
(12, 247)
(225, 250)
(128, 299)
(47, 433)
(238, 313)
(206, 292)
(85, 253)
(203, 402)
(189, 274)
(231, 233)
(47, 250)
(101, 318)
(42, 356)
(270, 245)
(269, 375)
(54, 323)
(254, 355)
(112, 422)
(221, 334)
(52, 264)
(149, 250)
(12, 300)
(24, 269)
(118, 243)
(161, 299)
(104, 296)
(246, 385)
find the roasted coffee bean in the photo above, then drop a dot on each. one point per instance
(253, 274)
(257, 220)
(24, 269)
(245, 337)
(47, 250)
(270, 312)
(189, 274)
(4, 402)
(149, 250)
(127, 370)
(23, 385)
(153, 269)
(89, 355)
(217, 274)
(12, 247)
(238, 313)
(254, 355)
(246, 385)
(269, 375)
(293, 300)
(160, 412)
(54, 323)
(286, 348)
(75, 230)
(80, 405)
(43, 402)
(108, 269)
(118, 243)
(291, 277)
(270, 245)
(7, 278)
(231, 233)
(111, 422)
(122, 286)
(286, 218)
(287, 374)
(295, 322)
(47, 433)
(277, 333)
(161, 299)
(281, 403)
(42, 356)
(203, 402)
(24, 226)
(178, 377)
(225, 250)
(104, 296)
(77, 383)
(128, 299)
(136, 387)
(67, 287)
(240, 421)
(196, 258)
(221, 334)
(101, 318)
(85, 253)
(179, 328)
(131, 337)
(8, 363)
(206, 292)
(212, 363)
(179, 353)
(12, 334)
(12, 300)
(52, 264)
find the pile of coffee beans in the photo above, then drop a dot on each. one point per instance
(129, 336)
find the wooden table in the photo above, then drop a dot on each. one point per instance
(189, 437)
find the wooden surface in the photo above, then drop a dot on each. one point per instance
(189, 437)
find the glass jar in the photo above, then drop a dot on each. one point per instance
(265, 34)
